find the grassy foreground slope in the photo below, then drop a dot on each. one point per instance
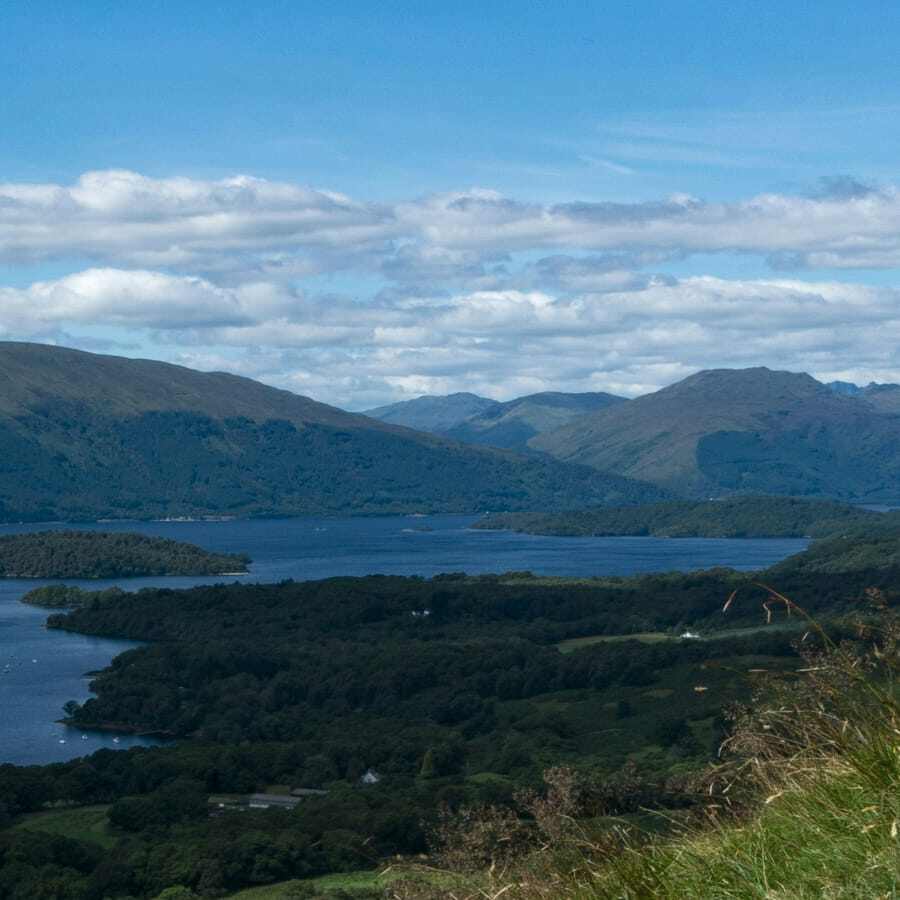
(804, 803)
(829, 836)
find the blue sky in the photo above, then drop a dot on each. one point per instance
(499, 196)
(390, 97)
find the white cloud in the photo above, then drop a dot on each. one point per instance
(120, 298)
(357, 303)
(498, 342)
(245, 228)
(238, 223)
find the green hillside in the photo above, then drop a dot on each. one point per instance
(801, 803)
(476, 420)
(847, 554)
(743, 430)
(85, 436)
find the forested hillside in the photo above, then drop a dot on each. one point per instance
(84, 436)
(477, 420)
(734, 517)
(744, 431)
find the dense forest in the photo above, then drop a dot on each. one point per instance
(97, 554)
(85, 436)
(878, 548)
(732, 517)
(450, 691)
(181, 463)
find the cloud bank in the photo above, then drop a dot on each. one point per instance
(249, 225)
(470, 290)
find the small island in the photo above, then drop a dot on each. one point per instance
(731, 517)
(68, 596)
(97, 554)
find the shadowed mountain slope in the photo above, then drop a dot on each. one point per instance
(477, 420)
(88, 436)
(514, 423)
(883, 397)
(744, 430)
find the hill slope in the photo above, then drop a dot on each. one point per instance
(432, 413)
(477, 420)
(743, 430)
(514, 423)
(87, 436)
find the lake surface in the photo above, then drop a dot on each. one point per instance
(40, 670)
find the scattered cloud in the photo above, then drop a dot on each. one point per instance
(248, 229)
(623, 334)
(803, 141)
(358, 303)
(607, 164)
(120, 298)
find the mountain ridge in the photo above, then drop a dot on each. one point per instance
(432, 412)
(85, 436)
(131, 386)
(509, 424)
(739, 431)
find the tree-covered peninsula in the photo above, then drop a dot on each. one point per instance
(95, 554)
(68, 596)
(731, 517)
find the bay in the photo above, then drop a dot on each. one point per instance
(41, 669)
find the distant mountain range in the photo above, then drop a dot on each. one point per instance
(749, 431)
(479, 420)
(717, 432)
(84, 436)
(432, 413)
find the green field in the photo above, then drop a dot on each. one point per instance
(85, 823)
(655, 637)
(645, 637)
(348, 881)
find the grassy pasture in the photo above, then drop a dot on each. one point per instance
(84, 823)
(656, 637)
(349, 882)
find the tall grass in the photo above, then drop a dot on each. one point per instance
(804, 804)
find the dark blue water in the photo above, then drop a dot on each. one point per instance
(40, 670)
